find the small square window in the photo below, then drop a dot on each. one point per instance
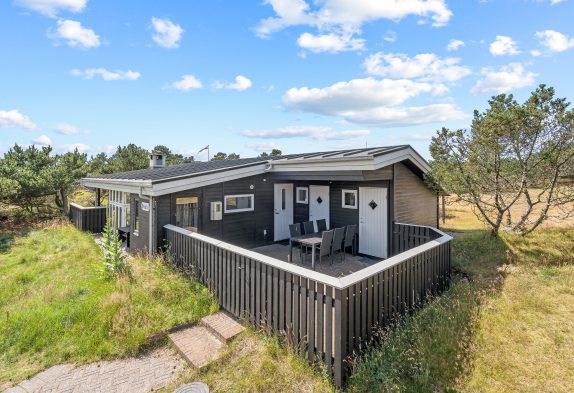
(302, 195)
(239, 203)
(350, 199)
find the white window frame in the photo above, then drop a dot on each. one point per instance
(297, 200)
(248, 209)
(119, 208)
(345, 206)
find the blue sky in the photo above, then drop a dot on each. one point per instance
(249, 76)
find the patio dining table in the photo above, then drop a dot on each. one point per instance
(311, 240)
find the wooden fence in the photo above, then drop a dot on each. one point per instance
(326, 318)
(92, 219)
(407, 236)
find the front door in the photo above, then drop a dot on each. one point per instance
(283, 208)
(319, 203)
(373, 221)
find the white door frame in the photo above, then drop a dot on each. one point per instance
(321, 210)
(373, 223)
(282, 210)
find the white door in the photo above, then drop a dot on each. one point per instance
(373, 221)
(319, 204)
(283, 210)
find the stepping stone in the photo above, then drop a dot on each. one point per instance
(197, 345)
(222, 325)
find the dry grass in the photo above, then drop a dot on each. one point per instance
(525, 329)
(460, 216)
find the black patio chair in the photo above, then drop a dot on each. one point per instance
(350, 232)
(337, 245)
(321, 225)
(294, 231)
(325, 247)
(308, 227)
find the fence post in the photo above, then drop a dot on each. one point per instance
(341, 323)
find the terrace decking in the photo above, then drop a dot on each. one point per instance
(338, 268)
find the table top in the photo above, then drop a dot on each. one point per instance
(311, 238)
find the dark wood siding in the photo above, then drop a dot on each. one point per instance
(414, 202)
(141, 241)
(410, 201)
(300, 210)
(246, 229)
(163, 214)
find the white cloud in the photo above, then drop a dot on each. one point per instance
(312, 132)
(331, 42)
(535, 53)
(555, 41)
(107, 75)
(504, 45)
(75, 35)
(371, 101)
(186, 83)
(167, 34)
(354, 94)
(52, 7)
(42, 140)
(69, 129)
(406, 116)
(503, 80)
(348, 14)
(263, 146)
(241, 83)
(15, 119)
(82, 148)
(390, 36)
(424, 66)
(454, 45)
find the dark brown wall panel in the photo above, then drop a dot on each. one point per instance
(414, 202)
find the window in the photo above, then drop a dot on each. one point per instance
(282, 199)
(302, 195)
(349, 199)
(119, 208)
(137, 217)
(239, 203)
(187, 213)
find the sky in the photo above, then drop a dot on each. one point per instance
(250, 76)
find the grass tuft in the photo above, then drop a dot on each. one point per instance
(256, 362)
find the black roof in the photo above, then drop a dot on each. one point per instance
(183, 170)
(168, 173)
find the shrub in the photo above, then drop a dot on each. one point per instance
(114, 262)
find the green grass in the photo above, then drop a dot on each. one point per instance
(511, 328)
(255, 362)
(428, 351)
(55, 308)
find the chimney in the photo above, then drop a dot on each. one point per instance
(156, 159)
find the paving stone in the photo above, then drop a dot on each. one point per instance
(222, 325)
(197, 345)
(142, 374)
